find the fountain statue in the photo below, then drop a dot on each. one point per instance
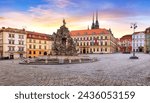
(63, 43)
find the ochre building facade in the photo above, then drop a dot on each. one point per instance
(38, 44)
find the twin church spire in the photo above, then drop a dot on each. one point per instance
(95, 24)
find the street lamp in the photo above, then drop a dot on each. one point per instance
(133, 26)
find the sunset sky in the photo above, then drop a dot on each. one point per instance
(46, 16)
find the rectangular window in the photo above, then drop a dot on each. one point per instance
(30, 52)
(40, 46)
(34, 47)
(21, 48)
(13, 35)
(21, 43)
(90, 38)
(101, 43)
(105, 43)
(30, 46)
(84, 43)
(94, 49)
(11, 48)
(9, 35)
(11, 41)
(30, 40)
(19, 36)
(87, 44)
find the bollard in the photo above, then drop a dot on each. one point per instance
(28, 61)
(80, 60)
(69, 60)
(46, 61)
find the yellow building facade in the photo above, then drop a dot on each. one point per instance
(38, 44)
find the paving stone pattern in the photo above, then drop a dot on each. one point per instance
(110, 70)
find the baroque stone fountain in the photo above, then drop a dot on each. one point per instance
(63, 43)
(63, 51)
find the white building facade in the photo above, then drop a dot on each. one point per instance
(97, 41)
(138, 41)
(12, 43)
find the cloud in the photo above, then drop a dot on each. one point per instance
(47, 18)
(2, 18)
(62, 3)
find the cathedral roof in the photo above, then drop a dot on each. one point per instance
(89, 32)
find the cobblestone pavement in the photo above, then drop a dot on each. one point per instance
(110, 70)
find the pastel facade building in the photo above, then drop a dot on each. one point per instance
(12, 43)
(94, 41)
(147, 40)
(138, 41)
(126, 44)
(38, 44)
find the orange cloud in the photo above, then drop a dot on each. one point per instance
(49, 20)
(2, 18)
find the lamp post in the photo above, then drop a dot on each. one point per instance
(133, 26)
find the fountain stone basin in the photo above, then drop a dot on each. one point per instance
(57, 60)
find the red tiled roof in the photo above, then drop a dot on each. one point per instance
(89, 32)
(126, 37)
(13, 30)
(36, 35)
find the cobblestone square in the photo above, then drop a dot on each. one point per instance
(109, 70)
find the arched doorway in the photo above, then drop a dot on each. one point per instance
(84, 51)
(45, 53)
(11, 56)
(141, 49)
(21, 55)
